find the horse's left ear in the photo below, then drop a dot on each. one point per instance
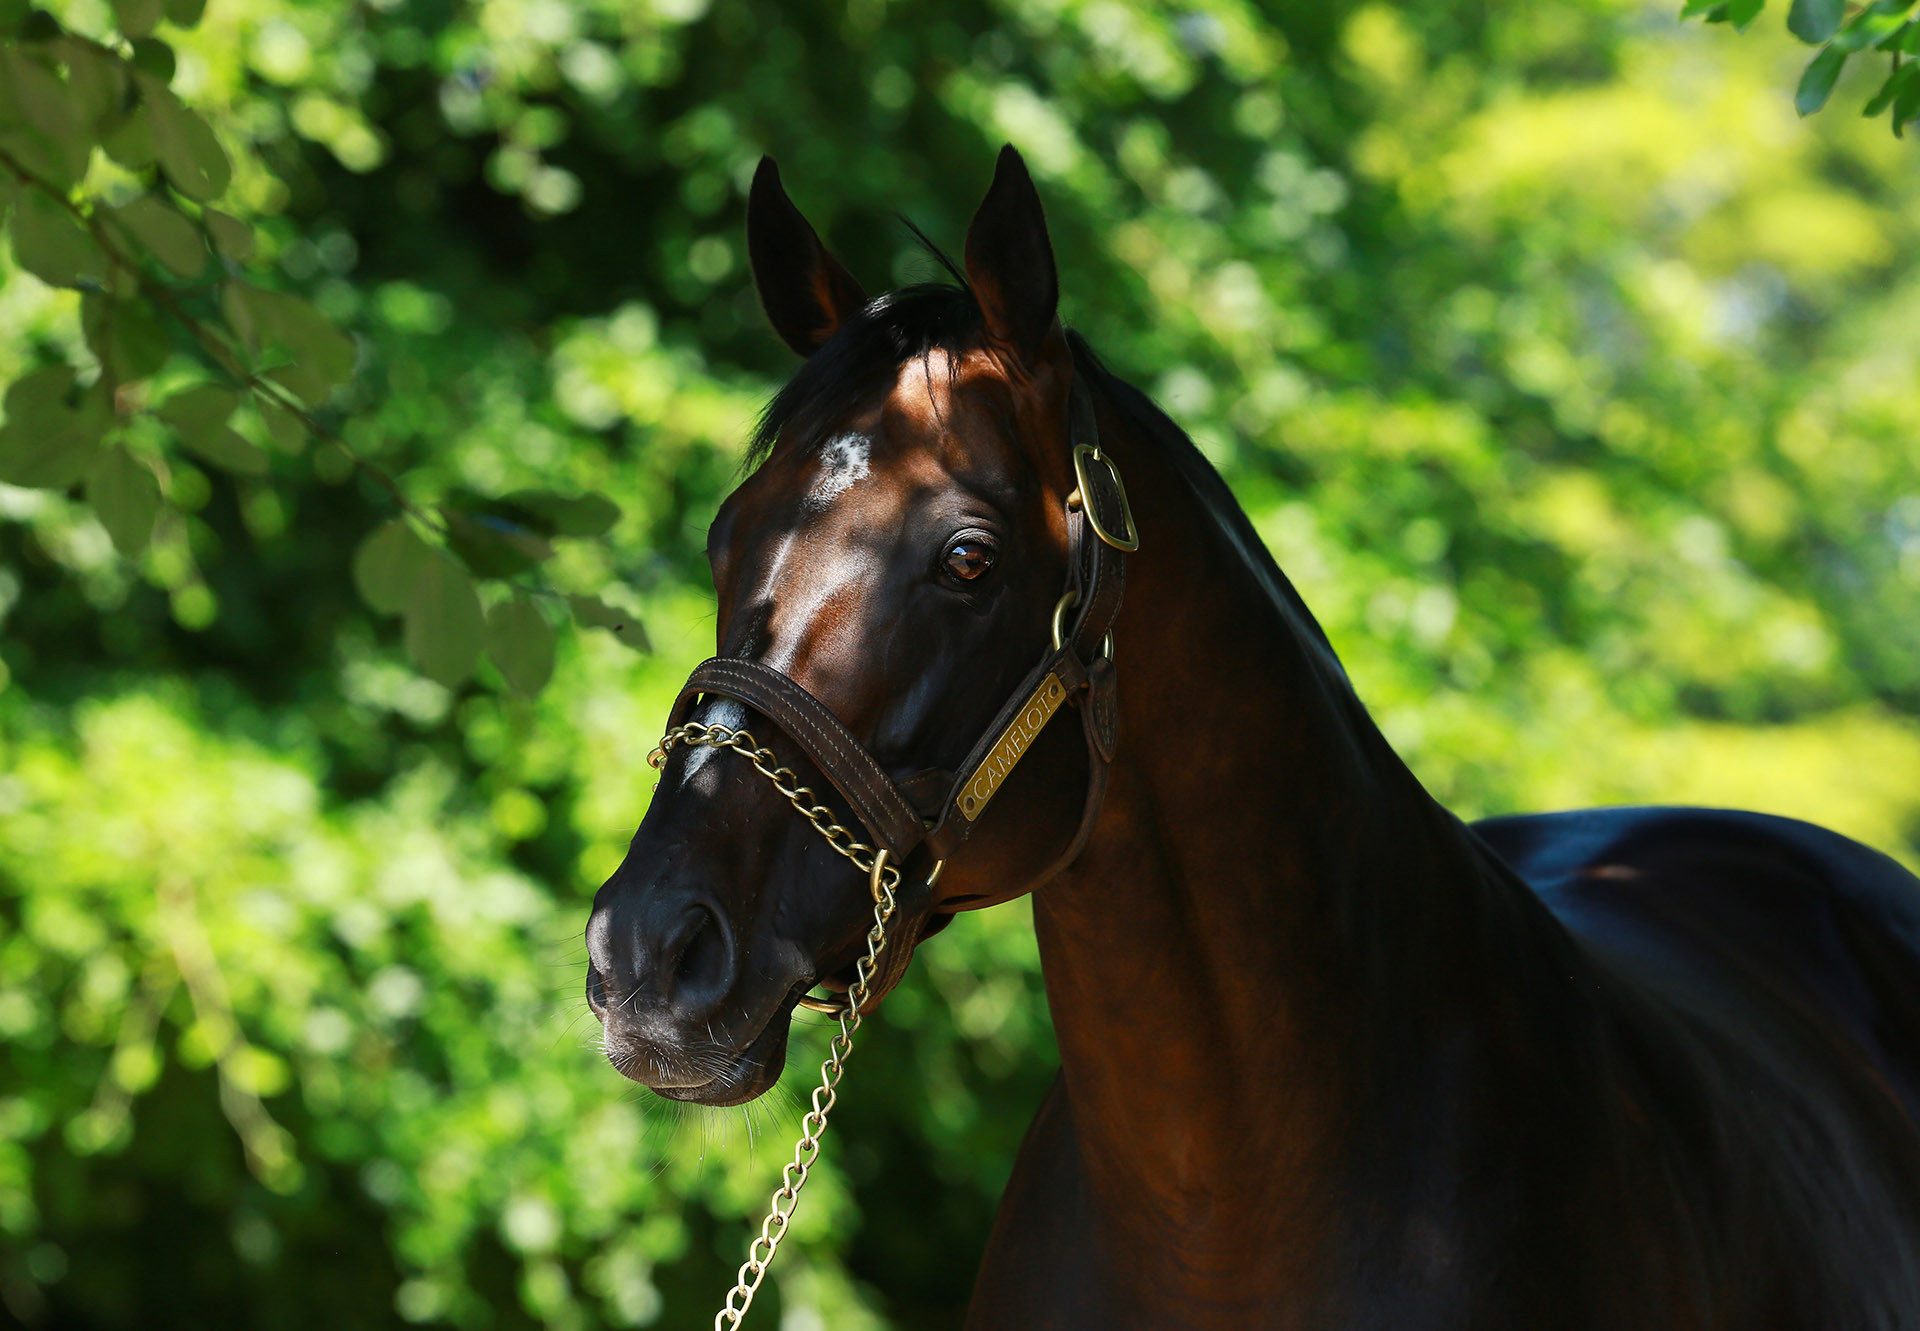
(1010, 260)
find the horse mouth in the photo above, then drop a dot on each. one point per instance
(715, 1075)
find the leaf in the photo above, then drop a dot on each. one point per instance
(1816, 81)
(199, 417)
(155, 57)
(493, 546)
(199, 409)
(1882, 99)
(46, 442)
(50, 243)
(1906, 102)
(184, 13)
(285, 428)
(444, 624)
(164, 233)
(183, 144)
(125, 336)
(232, 237)
(41, 123)
(229, 450)
(323, 356)
(566, 515)
(387, 565)
(593, 613)
(125, 495)
(98, 83)
(1741, 13)
(520, 641)
(136, 18)
(1814, 21)
(130, 142)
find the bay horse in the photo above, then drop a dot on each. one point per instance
(1330, 1057)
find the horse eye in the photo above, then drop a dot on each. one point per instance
(967, 559)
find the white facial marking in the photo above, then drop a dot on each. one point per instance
(718, 712)
(843, 460)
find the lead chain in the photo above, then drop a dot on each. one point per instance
(882, 879)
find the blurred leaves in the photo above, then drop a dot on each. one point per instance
(444, 621)
(1564, 370)
(520, 641)
(388, 563)
(123, 491)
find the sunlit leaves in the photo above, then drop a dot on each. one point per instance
(61, 96)
(126, 496)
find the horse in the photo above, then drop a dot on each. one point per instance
(1330, 1057)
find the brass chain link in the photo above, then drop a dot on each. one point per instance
(882, 879)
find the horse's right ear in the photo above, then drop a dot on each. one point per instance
(805, 291)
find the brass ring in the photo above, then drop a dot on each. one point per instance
(1060, 608)
(834, 1004)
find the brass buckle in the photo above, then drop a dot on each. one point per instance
(1083, 454)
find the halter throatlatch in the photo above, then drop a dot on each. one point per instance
(1077, 670)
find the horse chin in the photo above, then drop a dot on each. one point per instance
(749, 1076)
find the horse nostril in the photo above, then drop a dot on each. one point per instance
(596, 992)
(697, 964)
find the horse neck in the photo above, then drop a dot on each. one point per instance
(1270, 906)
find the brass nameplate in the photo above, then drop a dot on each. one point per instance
(1012, 746)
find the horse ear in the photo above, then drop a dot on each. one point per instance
(1010, 260)
(806, 292)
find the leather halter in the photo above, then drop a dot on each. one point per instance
(939, 809)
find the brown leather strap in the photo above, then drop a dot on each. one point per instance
(1099, 571)
(877, 802)
(955, 820)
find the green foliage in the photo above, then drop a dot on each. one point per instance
(1563, 368)
(138, 242)
(1842, 30)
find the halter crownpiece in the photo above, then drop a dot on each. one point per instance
(1077, 669)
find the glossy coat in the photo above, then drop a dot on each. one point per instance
(1330, 1058)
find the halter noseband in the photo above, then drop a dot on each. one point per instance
(935, 808)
